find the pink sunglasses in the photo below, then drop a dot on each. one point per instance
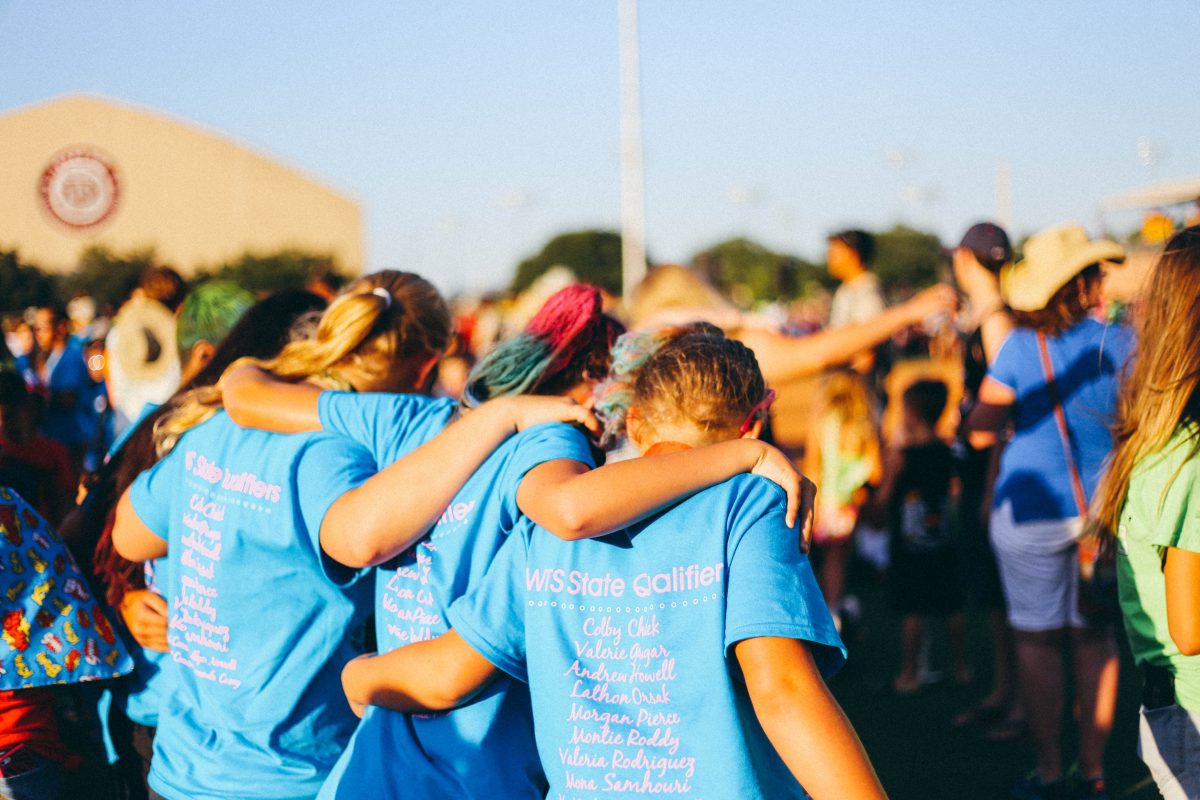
(760, 410)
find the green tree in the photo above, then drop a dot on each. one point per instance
(24, 285)
(272, 272)
(594, 256)
(907, 259)
(107, 276)
(750, 272)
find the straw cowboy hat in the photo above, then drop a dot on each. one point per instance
(1052, 258)
(143, 360)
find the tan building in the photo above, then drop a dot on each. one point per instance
(82, 170)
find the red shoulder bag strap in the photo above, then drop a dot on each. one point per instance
(1063, 431)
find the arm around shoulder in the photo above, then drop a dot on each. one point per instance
(254, 398)
(573, 502)
(434, 675)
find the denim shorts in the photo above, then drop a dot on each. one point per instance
(1169, 744)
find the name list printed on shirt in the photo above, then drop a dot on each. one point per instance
(625, 733)
(411, 611)
(198, 639)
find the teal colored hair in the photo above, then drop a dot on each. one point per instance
(629, 354)
(567, 341)
(208, 313)
(512, 368)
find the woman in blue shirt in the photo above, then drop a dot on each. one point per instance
(1057, 361)
(267, 538)
(683, 653)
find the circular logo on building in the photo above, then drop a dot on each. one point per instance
(79, 188)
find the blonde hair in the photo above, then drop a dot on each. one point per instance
(847, 397)
(384, 321)
(704, 380)
(1159, 390)
(669, 286)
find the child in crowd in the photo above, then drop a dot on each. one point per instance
(486, 749)
(918, 495)
(53, 632)
(1147, 501)
(682, 654)
(842, 453)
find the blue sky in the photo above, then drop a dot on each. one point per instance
(471, 133)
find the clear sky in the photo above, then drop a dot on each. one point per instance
(472, 132)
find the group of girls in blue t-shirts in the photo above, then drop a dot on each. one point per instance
(545, 626)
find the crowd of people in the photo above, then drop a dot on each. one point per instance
(356, 543)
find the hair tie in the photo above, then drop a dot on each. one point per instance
(379, 291)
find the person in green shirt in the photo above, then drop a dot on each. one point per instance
(1150, 502)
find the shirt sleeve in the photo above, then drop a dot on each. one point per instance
(491, 616)
(541, 443)
(389, 425)
(1005, 369)
(151, 493)
(1173, 481)
(328, 468)
(771, 589)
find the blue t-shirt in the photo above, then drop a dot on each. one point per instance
(486, 749)
(1088, 360)
(261, 621)
(139, 694)
(390, 426)
(626, 643)
(76, 425)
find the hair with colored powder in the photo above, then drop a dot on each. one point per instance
(567, 342)
(208, 313)
(702, 379)
(631, 351)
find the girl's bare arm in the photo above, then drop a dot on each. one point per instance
(573, 502)
(804, 722)
(434, 675)
(1181, 572)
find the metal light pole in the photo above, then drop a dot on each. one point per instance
(633, 214)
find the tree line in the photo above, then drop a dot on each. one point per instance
(743, 269)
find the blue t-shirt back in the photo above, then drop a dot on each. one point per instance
(261, 622)
(486, 749)
(1088, 360)
(389, 425)
(626, 643)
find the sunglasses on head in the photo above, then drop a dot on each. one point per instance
(758, 412)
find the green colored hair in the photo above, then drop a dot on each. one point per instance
(208, 313)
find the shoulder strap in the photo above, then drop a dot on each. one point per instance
(1063, 431)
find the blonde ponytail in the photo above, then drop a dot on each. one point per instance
(376, 320)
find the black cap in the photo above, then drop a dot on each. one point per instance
(989, 244)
